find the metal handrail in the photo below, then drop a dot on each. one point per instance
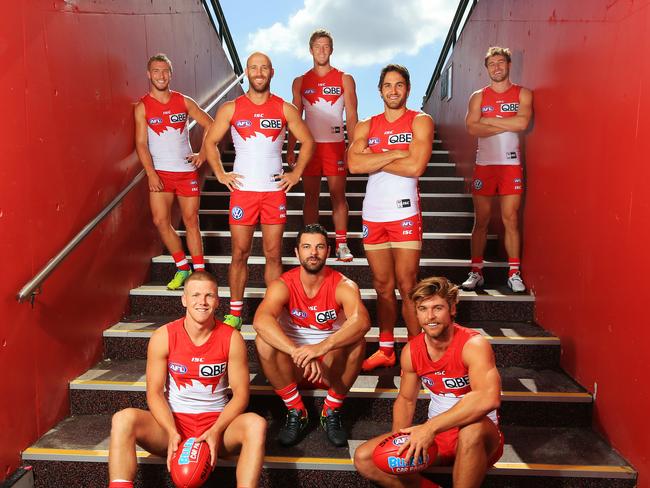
(30, 288)
(450, 41)
(214, 7)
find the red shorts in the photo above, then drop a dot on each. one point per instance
(183, 183)
(447, 441)
(496, 179)
(328, 160)
(194, 424)
(249, 207)
(391, 234)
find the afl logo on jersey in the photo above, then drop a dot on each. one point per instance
(364, 231)
(309, 91)
(296, 312)
(325, 316)
(243, 123)
(271, 123)
(428, 382)
(487, 108)
(155, 121)
(177, 368)
(373, 141)
(331, 90)
(509, 107)
(212, 370)
(176, 118)
(237, 213)
(407, 223)
(478, 184)
(403, 138)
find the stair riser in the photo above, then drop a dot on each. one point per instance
(355, 186)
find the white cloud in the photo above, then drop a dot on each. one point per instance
(365, 32)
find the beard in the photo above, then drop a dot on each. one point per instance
(501, 77)
(263, 89)
(312, 267)
(395, 104)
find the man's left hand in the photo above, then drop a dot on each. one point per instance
(303, 354)
(196, 159)
(288, 180)
(212, 438)
(421, 438)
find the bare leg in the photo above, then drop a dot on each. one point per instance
(339, 202)
(366, 467)
(131, 426)
(407, 263)
(383, 280)
(190, 211)
(482, 208)
(246, 435)
(342, 366)
(242, 240)
(311, 184)
(272, 244)
(510, 217)
(277, 366)
(161, 206)
(477, 443)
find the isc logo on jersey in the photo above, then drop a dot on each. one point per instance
(509, 107)
(212, 370)
(325, 316)
(176, 118)
(402, 138)
(331, 90)
(456, 383)
(271, 123)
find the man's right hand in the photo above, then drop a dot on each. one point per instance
(231, 180)
(155, 183)
(291, 158)
(172, 447)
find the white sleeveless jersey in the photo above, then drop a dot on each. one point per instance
(322, 98)
(499, 149)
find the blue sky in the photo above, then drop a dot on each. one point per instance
(368, 34)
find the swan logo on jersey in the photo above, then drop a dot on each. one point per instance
(243, 123)
(177, 368)
(237, 213)
(331, 90)
(271, 123)
(401, 138)
(478, 184)
(487, 108)
(296, 312)
(364, 231)
(373, 141)
(509, 107)
(456, 383)
(325, 316)
(155, 121)
(176, 118)
(212, 370)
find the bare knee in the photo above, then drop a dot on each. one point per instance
(385, 288)
(123, 423)
(405, 285)
(265, 351)
(510, 220)
(240, 255)
(161, 222)
(363, 458)
(472, 437)
(255, 429)
(191, 221)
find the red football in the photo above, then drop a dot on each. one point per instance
(190, 466)
(385, 456)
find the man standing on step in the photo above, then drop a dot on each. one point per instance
(456, 365)
(497, 114)
(394, 147)
(311, 326)
(191, 364)
(163, 146)
(258, 186)
(323, 92)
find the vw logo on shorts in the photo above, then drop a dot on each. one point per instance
(478, 184)
(237, 213)
(365, 231)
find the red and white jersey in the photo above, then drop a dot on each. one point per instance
(390, 197)
(167, 134)
(311, 320)
(447, 379)
(197, 375)
(258, 134)
(501, 148)
(322, 98)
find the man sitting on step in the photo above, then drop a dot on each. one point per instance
(191, 362)
(456, 365)
(311, 325)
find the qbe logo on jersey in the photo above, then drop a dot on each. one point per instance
(212, 370)
(509, 107)
(271, 123)
(176, 118)
(456, 383)
(331, 90)
(237, 213)
(325, 316)
(401, 138)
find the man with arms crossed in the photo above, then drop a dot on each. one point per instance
(258, 187)
(163, 145)
(456, 365)
(323, 92)
(190, 364)
(496, 114)
(311, 324)
(394, 147)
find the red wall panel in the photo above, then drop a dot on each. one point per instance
(586, 212)
(72, 72)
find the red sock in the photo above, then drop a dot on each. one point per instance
(120, 484)
(477, 265)
(198, 263)
(341, 237)
(333, 401)
(514, 264)
(386, 343)
(236, 307)
(181, 261)
(291, 397)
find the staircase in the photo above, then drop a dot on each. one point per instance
(545, 415)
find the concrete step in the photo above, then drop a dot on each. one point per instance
(74, 454)
(515, 344)
(529, 397)
(453, 245)
(444, 222)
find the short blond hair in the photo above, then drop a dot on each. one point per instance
(497, 51)
(435, 286)
(317, 34)
(160, 57)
